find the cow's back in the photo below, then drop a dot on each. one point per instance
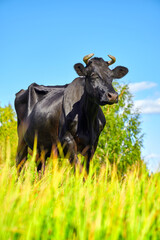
(26, 99)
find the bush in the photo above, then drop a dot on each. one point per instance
(121, 139)
(8, 132)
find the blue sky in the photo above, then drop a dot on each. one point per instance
(40, 41)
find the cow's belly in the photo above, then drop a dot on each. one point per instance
(45, 138)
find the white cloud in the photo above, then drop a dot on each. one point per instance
(148, 105)
(153, 162)
(152, 156)
(139, 86)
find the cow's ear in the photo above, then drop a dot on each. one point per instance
(80, 69)
(119, 72)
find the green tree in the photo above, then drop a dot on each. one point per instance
(8, 132)
(121, 140)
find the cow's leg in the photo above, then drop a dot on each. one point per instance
(88, 164)
(41, 158)
(21, 157)
(70, 148)
(90, 153)
(89, 157)
(41, 169)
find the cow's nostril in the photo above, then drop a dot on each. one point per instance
(109, 96)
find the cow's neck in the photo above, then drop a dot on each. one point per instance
(91, 110)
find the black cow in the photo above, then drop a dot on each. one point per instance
(69, 114)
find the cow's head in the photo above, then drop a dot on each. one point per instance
(99, 78)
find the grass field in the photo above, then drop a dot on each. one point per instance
(61, 205)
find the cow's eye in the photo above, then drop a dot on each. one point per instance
(92, 74)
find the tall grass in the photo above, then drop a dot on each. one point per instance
(61, 205)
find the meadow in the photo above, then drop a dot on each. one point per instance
(62, 205)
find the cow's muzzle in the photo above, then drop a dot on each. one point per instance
(112, 97)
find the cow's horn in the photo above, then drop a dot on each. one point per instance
(87, 57)
(111, 61)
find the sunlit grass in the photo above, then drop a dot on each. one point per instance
(61, 205)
